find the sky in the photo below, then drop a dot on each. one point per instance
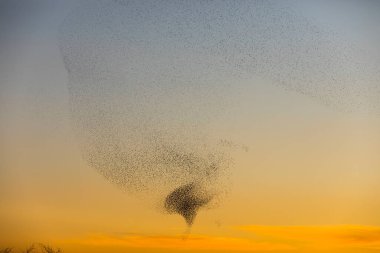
(99, 99)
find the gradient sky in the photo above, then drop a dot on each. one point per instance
(308, 182)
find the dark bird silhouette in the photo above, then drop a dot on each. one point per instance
(186, 200)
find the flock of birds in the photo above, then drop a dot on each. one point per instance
(147, 77)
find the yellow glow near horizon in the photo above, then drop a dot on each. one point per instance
(331, 238)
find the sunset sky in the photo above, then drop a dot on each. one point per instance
(305, 173)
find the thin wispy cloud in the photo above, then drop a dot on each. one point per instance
(257, 239)
(179, 242)
(321, 237)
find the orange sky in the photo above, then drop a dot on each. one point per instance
(307, 179)
(290, 192)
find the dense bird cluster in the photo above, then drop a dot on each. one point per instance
(186, 200)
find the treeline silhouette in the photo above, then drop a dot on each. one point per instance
(41, 248)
